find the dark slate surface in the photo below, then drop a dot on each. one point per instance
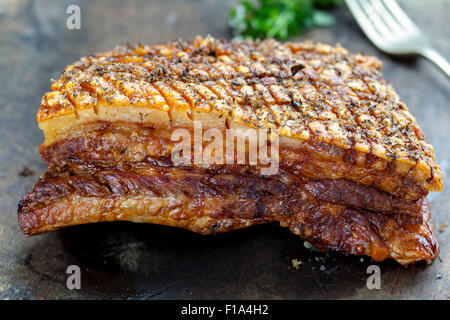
(125, 260)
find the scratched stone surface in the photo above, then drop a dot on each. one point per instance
(135, 261)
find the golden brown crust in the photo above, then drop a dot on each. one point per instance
(306, 91)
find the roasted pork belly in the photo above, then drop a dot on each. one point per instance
(353, 167)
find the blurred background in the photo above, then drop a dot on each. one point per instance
(124, 260)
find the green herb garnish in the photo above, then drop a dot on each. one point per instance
(278, 18)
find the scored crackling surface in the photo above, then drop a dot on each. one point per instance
(303, 89)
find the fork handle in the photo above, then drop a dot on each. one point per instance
(435, 57)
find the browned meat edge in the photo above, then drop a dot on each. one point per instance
(79, 155)
(228, 202)
(114, 144)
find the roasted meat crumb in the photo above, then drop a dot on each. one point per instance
(26, 171)
(296, 263)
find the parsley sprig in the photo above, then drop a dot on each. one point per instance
(278, 18)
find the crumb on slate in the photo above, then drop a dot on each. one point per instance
(26, 171)
(309, 246)
(296, 263)
(443, 226)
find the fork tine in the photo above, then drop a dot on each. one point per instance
(387, 16)
(399, 14)
(362, 20)
(375, 18)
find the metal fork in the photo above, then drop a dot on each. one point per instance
(391, 30)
